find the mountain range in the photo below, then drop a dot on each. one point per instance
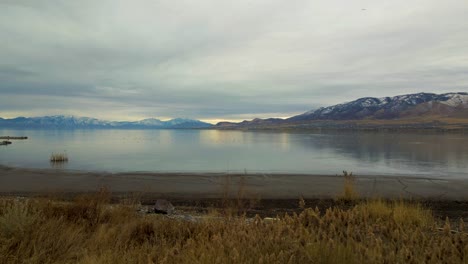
(72, 122)
(410, 109)
(420, 110)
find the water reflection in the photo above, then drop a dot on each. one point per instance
(164, 137)
(221, 151)
(429, 149)
(58, 165)
(284, 141)
(222, 138)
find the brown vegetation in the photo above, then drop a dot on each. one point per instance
(58, 157)
(91, 230)
(349, 187)
(236, 199)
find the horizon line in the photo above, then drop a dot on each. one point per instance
(212, 121)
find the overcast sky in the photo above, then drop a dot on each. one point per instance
(223, 60)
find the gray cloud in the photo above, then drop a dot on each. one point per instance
(223, 59)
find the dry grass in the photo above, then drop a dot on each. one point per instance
(400, 212)
(90, 230)
(58, 157)
(236, 199)
(349, 187)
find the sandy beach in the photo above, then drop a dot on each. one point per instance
(217, 185)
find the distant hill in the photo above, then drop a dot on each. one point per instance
(402, 106)
(415, 110)
(72, 122)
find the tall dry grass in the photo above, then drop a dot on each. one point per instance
(349, 187)
(90, 230)
(235, 198)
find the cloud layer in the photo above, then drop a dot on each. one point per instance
(223, 59)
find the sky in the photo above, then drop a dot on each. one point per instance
(223, 60)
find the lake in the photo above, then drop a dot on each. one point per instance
(364, 153)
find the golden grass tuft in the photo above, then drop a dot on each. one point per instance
(349, 187)
(90, 230)
(58, 157)
(402, 213)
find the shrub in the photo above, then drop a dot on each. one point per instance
(58, 157)
(349, 187)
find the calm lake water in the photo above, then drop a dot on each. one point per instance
(437, 155)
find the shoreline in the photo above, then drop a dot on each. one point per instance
(455, 128)
(198, 185)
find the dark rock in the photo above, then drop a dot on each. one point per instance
(163, 207)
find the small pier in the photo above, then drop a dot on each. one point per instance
(5, 140)
(14, 138)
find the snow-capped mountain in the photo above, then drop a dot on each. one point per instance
(72, 122)
(419, 110)
(390, 107)
(151, 122)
